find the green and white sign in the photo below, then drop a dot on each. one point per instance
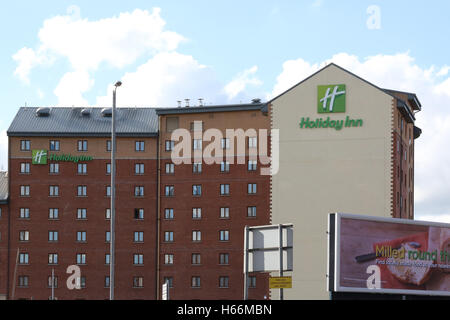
(39, 156)
(42, 156)
(331, 98)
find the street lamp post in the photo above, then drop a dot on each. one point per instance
(113, 195)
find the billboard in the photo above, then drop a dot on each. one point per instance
(387, 255)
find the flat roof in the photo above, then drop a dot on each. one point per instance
(214, 108)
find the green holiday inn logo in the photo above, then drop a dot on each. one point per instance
(331, 98)
(41, 156)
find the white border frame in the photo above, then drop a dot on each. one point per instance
(337, 258)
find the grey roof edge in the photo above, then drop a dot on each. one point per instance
(204, 109)
(411, 96)
(386, 91)
(81, 134)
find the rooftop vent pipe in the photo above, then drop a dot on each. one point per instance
(43, 112)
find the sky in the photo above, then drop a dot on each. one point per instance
(70, 53)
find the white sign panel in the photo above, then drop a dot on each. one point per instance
(264, 248)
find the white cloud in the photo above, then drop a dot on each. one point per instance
(27, 59)
(241, 81)
(164, 79)
(71, 88)
(432, 86)
(118, 41)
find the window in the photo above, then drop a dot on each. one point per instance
(138, 168)
(224, 258)
(225, 143)
(108, 191)
(224, 166)
(197, 190)
(168, 213)
(25, 191)
(83, 281)
(24, 213)
(195, 282)
(24, 235)
(24, 145)
(252, 281)
(53, 213)
(107, 236)
(197, 167)
(168, 258)
(196, 213)
(197, 144)
(107, 281)
(54, 145)
(170, 145)
(252, 142)
(170, 168)
(140, 146)
(139, 214)
(196, 235)
(24, 281)
(171, 124)
(53, 236)
(108, 145)
(138, 259)
(196, 258)
(54, 168)
(252, 165)
(81, 236)
(168, 236)
(81, 191)
(223, 282)
(139, 191)
(169, 191)
(107, 214)
(224, 235)
(224, 213)
(24, 258)
(224, 189)
(138, 282)
(251, 211)
(138, 236)
(108, 168)
(52, 258)
(53, 191)
(251, 188)
(25, 167)
(169, 280)
(81, 258)
(82, 145)
(107, 258)
(196, 126)
(81, 213)
(82, 168)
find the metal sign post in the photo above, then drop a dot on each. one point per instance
(268, 249)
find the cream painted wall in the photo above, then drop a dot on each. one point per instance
(323, 170)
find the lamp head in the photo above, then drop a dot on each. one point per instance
(118, 84)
